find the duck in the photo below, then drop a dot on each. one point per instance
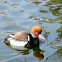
(26, 39)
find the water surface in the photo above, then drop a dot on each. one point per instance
(17, 15)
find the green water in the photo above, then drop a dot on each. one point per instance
(22, 15)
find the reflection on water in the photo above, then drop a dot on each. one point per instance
(60, 32)
(37, 52)
(55, 7)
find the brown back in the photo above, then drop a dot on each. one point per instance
(21, 36)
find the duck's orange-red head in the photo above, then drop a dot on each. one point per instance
(36, 29)
(36, 32)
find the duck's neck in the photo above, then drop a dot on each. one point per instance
(32, 41)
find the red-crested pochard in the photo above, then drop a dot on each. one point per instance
(25, 39)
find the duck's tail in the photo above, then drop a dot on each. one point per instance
(8, 38)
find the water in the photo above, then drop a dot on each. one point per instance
(17, 15)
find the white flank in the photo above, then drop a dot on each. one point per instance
(17, 43)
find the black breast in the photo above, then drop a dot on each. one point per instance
(32, 41)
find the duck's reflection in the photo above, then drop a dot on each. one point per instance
(37, 52)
